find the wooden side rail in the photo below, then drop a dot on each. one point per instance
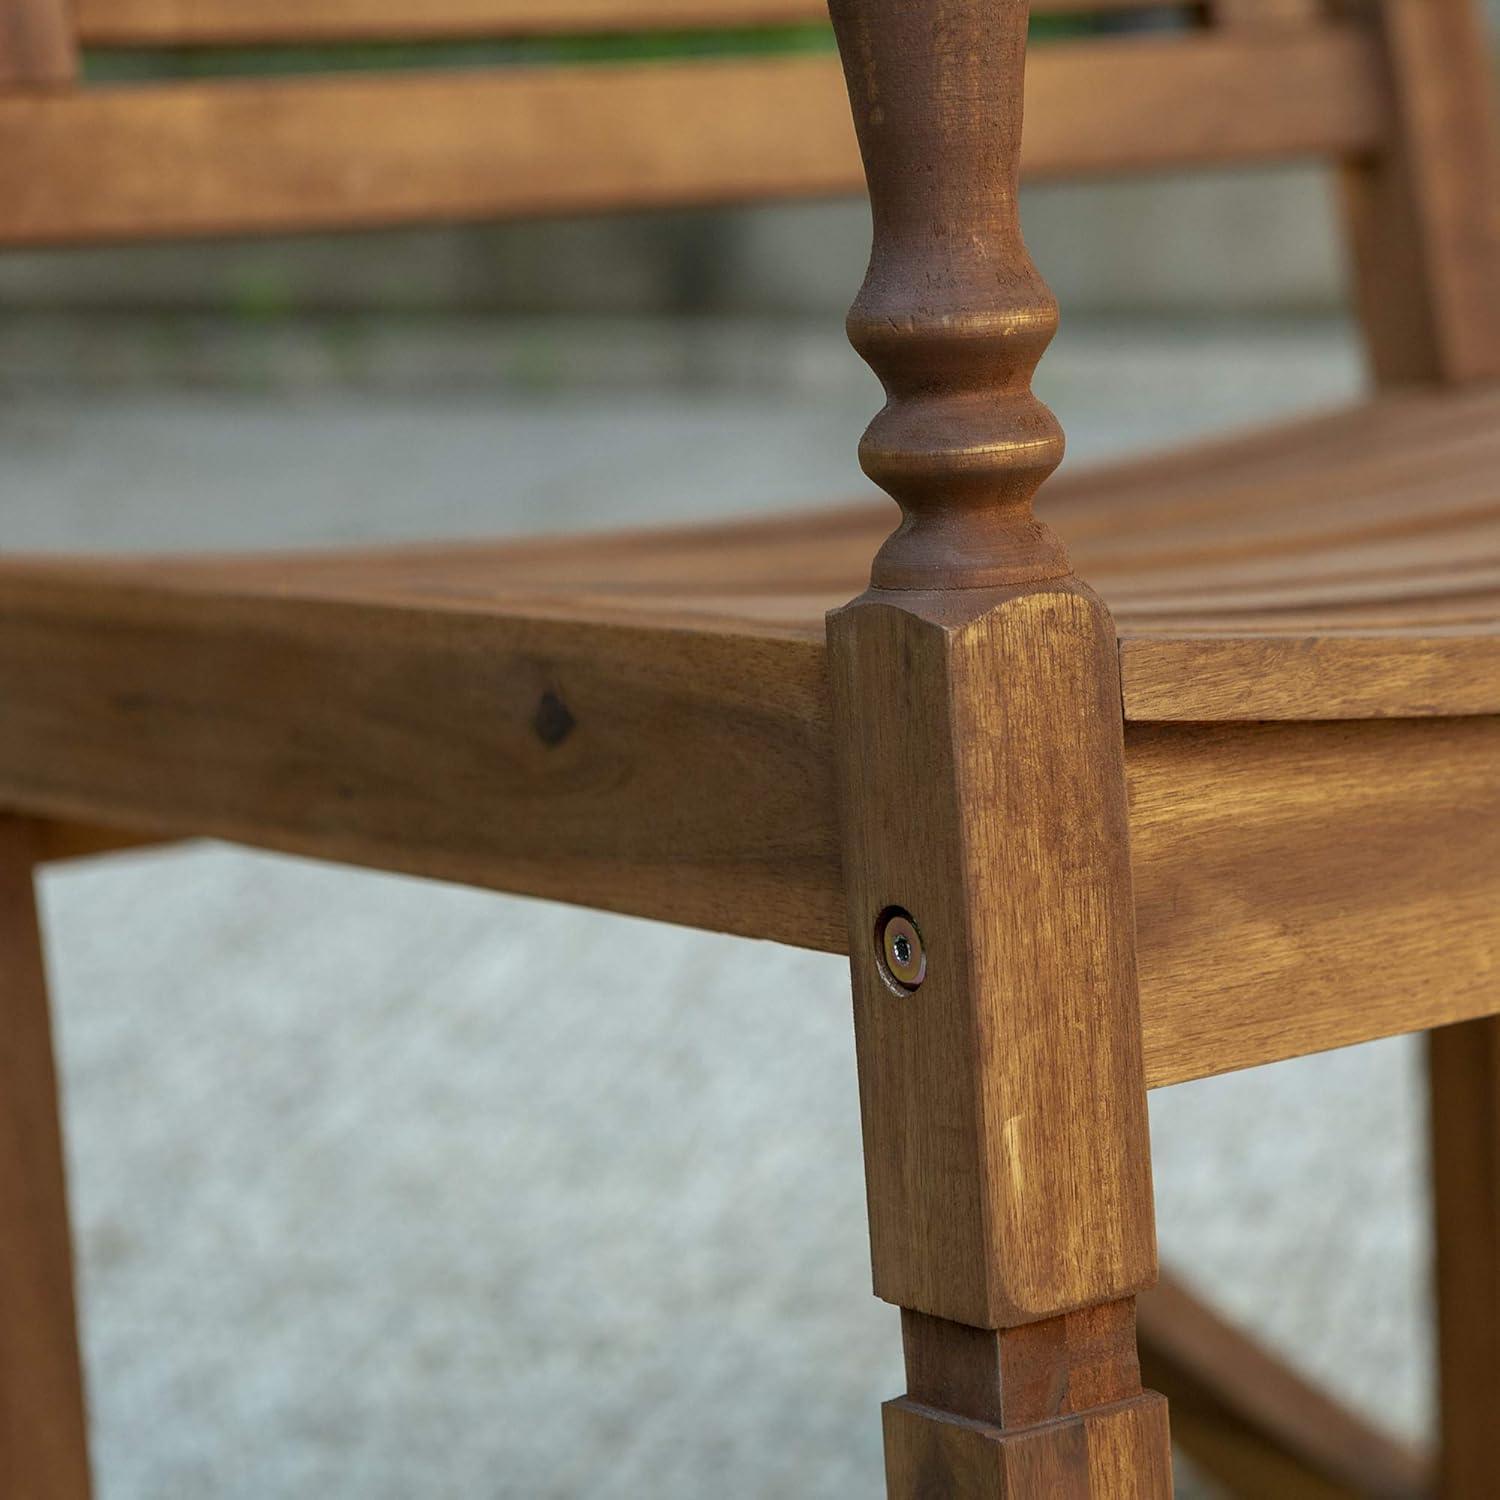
(1264, 932)
(256, 156)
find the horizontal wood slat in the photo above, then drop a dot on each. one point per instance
(169, 23)
(158, 23)
(1299, 886)
(356, 151)
(1307, 885)
(522, 754)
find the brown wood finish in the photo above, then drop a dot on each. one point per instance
(1022, 1047)
(535, 755)
(255, 156)
(175, 23)
(643, 724)
(1426, 232)
(1298, 886)
(977, 733)
(1344, 567)
(1426, 239)
(1301, 886)
(218, 23)
(43, 1441)
(1463, 1070)
(1052, 1408)
(1107, 1453)
(36, 44)
(60, 842)
(952, 316)
(1261, 14)
(1019, 1377)
(1252, 1423)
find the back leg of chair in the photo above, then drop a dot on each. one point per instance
(43, 1441)
(1463, 1065)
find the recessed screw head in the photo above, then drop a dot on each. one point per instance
(898, 945)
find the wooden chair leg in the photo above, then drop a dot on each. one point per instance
(43, 1442)
(1463, 1065)
(1051, 1409)
(979, 741)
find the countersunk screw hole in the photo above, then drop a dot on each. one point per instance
(899, 951)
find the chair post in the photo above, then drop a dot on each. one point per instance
(1421, 214)
(43, 1443)
(979, 738)
(1463, 1070)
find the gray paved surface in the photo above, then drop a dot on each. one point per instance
(392, 1191)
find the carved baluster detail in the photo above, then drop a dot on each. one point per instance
(953, 316)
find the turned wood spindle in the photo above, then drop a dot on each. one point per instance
(953, 316)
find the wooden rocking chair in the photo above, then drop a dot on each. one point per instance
(1248, 810)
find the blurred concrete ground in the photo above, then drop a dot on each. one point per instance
(390, 1190)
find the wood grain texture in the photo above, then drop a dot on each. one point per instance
(952, 316)
(36, 44)
(1251, 1422)
(260, 156)
(1119, 1452)
(1425, 214)
(43, 1439)
(1301, 886)
(1295, 883)
(1294, 676)
(524, 754)
(1007, 1164)
(1341, 567)
(1020, 1377)
(1463, 1070)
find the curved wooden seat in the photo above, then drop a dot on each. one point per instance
(1346, 566)
(641, 721)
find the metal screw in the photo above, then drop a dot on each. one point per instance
(899, 947)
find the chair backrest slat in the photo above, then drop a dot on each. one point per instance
(1395, 93)
(353, 150)
(1425, 217)
(172, 23)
